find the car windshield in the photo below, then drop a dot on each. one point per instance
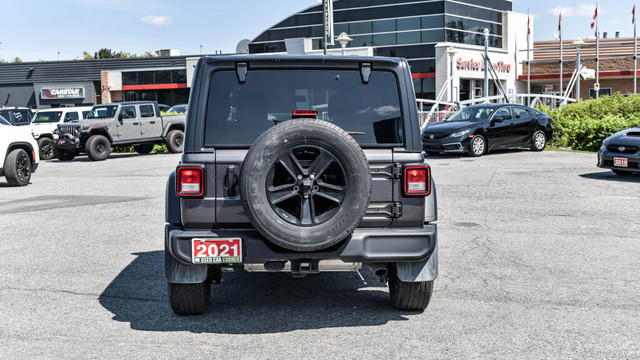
(47, 117)
(472, 114)
(239, 112)
(180, 109)
(101, 112)
(3, 121)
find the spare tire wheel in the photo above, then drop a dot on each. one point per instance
(305, 184)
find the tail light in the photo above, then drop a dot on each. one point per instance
(190, 181)
(304, 114)
(417, 180)
(550, 119)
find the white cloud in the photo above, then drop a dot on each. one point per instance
(157, 20)
(584, 10)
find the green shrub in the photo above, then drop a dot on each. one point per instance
(583, 125)
(157, 149)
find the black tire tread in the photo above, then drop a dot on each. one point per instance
(413, 296)
(42, 141)
(89, 148)
(270, 133)
(189, 299)
(11, 170)
(169, 141)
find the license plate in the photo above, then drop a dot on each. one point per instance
(216, 251)
(620, 162)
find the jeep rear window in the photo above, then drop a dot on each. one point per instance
(238, 113)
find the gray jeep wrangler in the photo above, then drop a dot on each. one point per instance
(303, 165)
(134, 123)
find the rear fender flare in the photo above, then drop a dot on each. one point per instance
(173, 125)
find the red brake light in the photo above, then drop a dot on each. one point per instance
(304, 113)
(190, 181)
(417, 181)
(550, 119)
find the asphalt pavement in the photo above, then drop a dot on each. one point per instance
(538, 259)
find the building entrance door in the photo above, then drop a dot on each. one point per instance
(465, 89)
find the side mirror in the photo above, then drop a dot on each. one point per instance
(120, 117)
(497, 119)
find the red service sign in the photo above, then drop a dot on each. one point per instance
(62, 93)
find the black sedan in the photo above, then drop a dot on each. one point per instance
(620, 152)
(478, 129)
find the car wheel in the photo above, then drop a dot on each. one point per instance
(17, 168)
(46, 148)
(477, 146)
(305, 184)
(143, 148)
(98, 148)
(409, 295)
(63, 155)
(189, 299)
(622, 172)
(539, 141)
(175, 141)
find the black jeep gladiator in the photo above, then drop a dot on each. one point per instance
(301, 164)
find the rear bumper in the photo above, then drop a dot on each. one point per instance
(364, 245)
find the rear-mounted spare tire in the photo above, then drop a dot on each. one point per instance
(305, 184)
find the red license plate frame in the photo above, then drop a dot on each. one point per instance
(620, 162)
(216, 250)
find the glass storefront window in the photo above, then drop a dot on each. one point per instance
(411, 37)
(472, 38)
(145, 77)
(360, 28)
(384, 26)
(408, 24)
(430, 22)
(130, 78)
(384, 39)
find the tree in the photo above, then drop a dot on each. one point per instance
(105, 53)
(17, 60)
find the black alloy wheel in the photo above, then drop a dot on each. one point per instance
(17, 168)
(23, 167)
(46, 148)
(306, 185)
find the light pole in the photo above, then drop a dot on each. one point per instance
(452, 52)
(578, 43)
(343, 39)
(486, 63)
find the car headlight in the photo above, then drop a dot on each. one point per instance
(460, 133)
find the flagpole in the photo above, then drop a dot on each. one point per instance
(597, 55)
(560, 31)
(528, 58)
(635, 52)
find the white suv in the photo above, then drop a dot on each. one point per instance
(18, 158)
(47, 120)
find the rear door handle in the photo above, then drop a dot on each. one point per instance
(135, 123)
(231, 180)
(152, 122)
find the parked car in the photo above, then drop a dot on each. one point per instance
(18, 155)
(135, 123)
(620, 152)
(314, 170)
(46, 121)
(163, 107)
(180, 109)
(17, 116)
(478, 129)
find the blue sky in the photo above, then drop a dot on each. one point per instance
(37, 29)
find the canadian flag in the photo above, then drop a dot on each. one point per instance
(528, 25)
(593, 19)
(560, 22)
(633, 12)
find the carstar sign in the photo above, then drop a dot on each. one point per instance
(62, 93)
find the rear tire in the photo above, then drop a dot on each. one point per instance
(189, 299)
(17, 168)
(98, 148)
(175, 141)
(63, 155)
(414, 296)
(143, 148)
(46, 148)
(539, 141)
